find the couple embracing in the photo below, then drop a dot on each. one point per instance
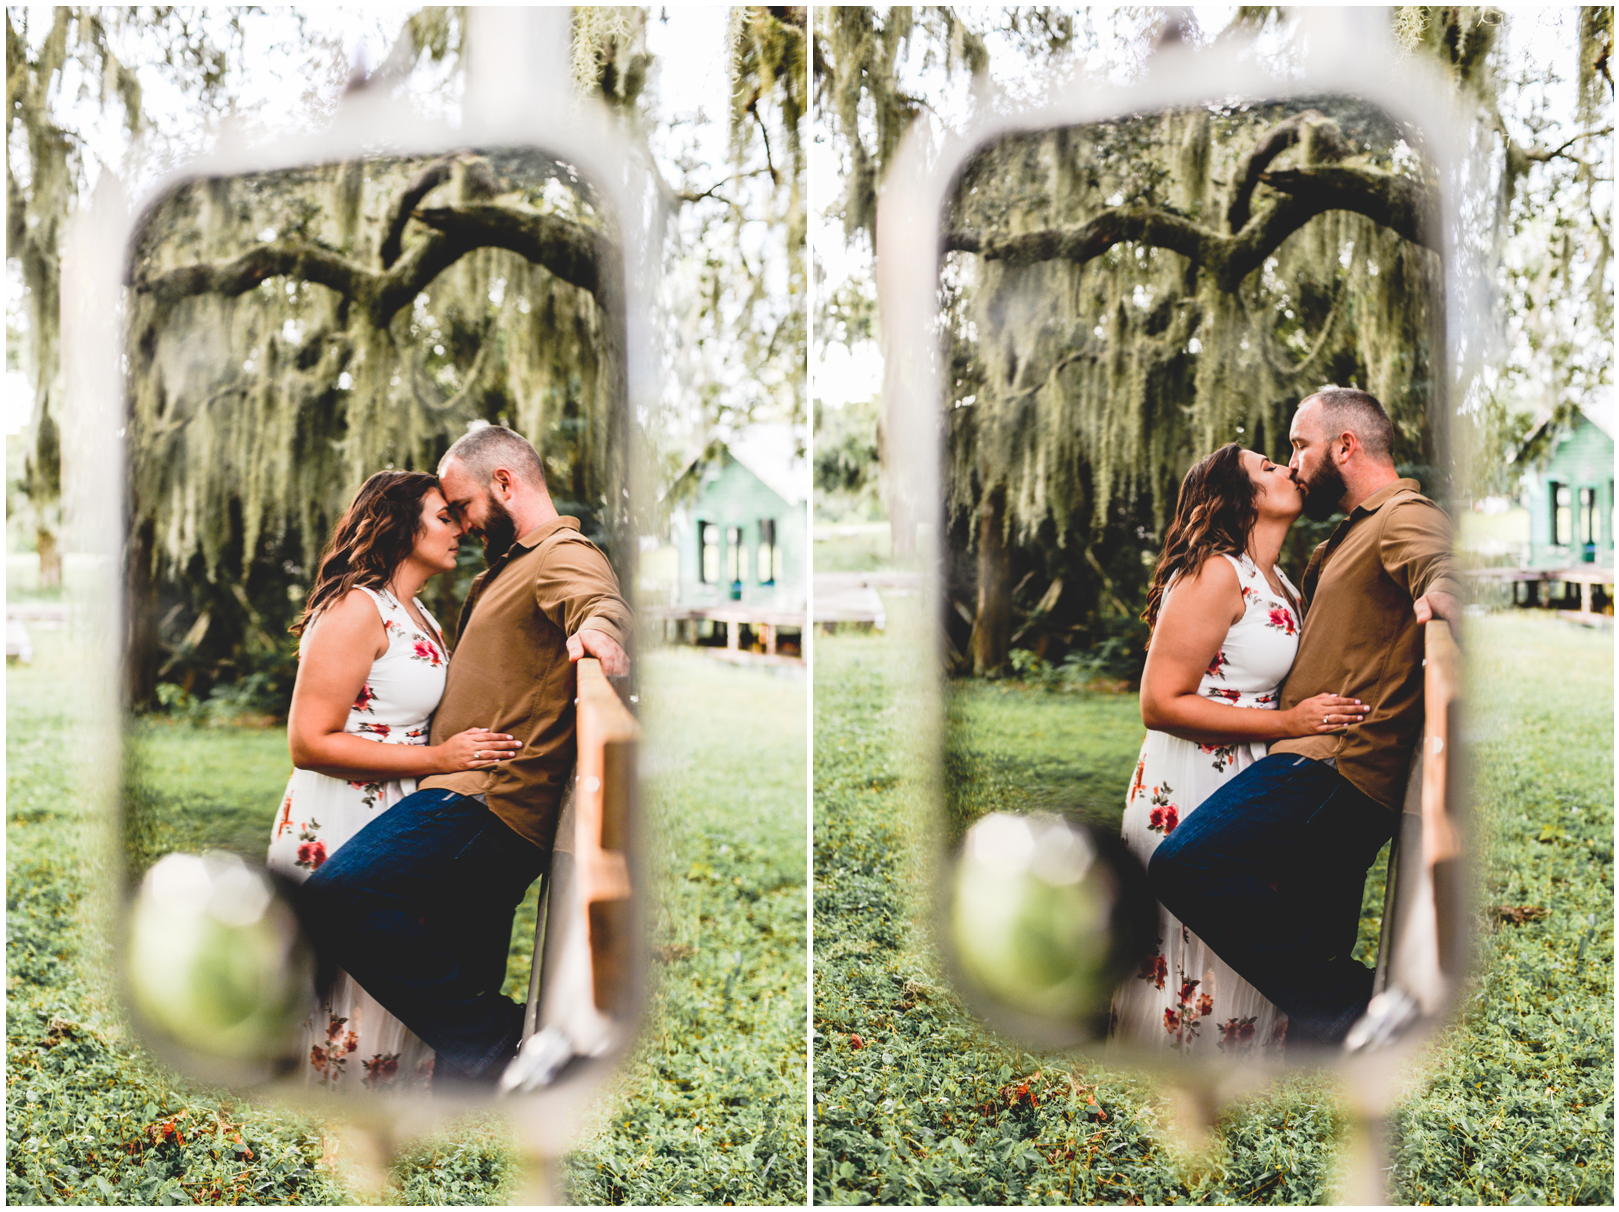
(1281, 725)
(428, 785)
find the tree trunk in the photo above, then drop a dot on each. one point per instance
(992, 626)
(50, 558)
(145, 642)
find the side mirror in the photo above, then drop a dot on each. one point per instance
(295, 319)
(1112, 287)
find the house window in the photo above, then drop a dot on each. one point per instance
(1562, 529)
(767, 551)
(735, 555)
(1589, 522)
(708, 554)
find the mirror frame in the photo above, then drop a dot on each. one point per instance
(518, 95)
(1348, 52)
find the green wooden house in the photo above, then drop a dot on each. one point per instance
(743, 540)
(1569, 496)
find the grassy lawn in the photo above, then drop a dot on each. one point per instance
(709, 1108)
(853, 547)
(916, 1103)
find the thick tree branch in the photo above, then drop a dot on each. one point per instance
(1326, 142)
(569, 251)
(1395, 202)
(1145, 225)
(290, 258)
(1392, 201)
(434, 175)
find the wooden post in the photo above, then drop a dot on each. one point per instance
(770, 638)
(607, 740)
(1585, 596)
(733, 636)
(1441, 838)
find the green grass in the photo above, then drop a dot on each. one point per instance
(712, 1092)
(1022, 749)
(1510, 528)
(856, 547)
(1018, 748)
(917, 1103)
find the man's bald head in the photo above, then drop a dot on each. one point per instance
(1341, 410)
(490, 447)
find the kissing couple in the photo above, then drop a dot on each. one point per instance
(1281, 724)
(428, 783)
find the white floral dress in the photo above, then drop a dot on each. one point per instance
(1185, 997)
(353, 1041)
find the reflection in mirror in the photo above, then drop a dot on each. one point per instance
(301, 346)
(1120, 302)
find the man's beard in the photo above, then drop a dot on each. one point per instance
(499, 531)
(1322, 492)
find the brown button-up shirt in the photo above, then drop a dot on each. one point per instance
(1361, 637)
(511, 673)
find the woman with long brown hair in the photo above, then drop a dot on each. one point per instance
(371, 669)
(1225, 624)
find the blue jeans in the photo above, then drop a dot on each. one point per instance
(1269, 871)
(417, 907)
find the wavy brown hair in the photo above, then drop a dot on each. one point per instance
(1215, 512)
(372, 539)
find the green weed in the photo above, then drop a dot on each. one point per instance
(914, 1102)
(709, 1107)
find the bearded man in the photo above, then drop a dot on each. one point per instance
(1271, 869)
(418, 905)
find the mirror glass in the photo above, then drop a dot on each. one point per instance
(289, 335)
(1119, 301)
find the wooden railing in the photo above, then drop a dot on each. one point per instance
(1423, 946)
(584, 972)
(608, 735)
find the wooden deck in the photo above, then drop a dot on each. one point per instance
(856, 597)
(1587, 576)
(766, 622)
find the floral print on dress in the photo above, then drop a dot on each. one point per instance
(423, 651)
(1183, 1019)
(380, 1069)
(1281, 618)
(1237, 1034)
(1155, 969)
(328, 1059)
(1137, 784)
(1165, 816)
(1185, 997)
(311, 850)
(318, 814)
(370, 793)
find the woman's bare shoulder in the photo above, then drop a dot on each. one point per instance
(1216, 575)
(1213, 585)
(353, 615)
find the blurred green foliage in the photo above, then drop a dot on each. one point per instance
(709, 1107)
(915, 1102)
